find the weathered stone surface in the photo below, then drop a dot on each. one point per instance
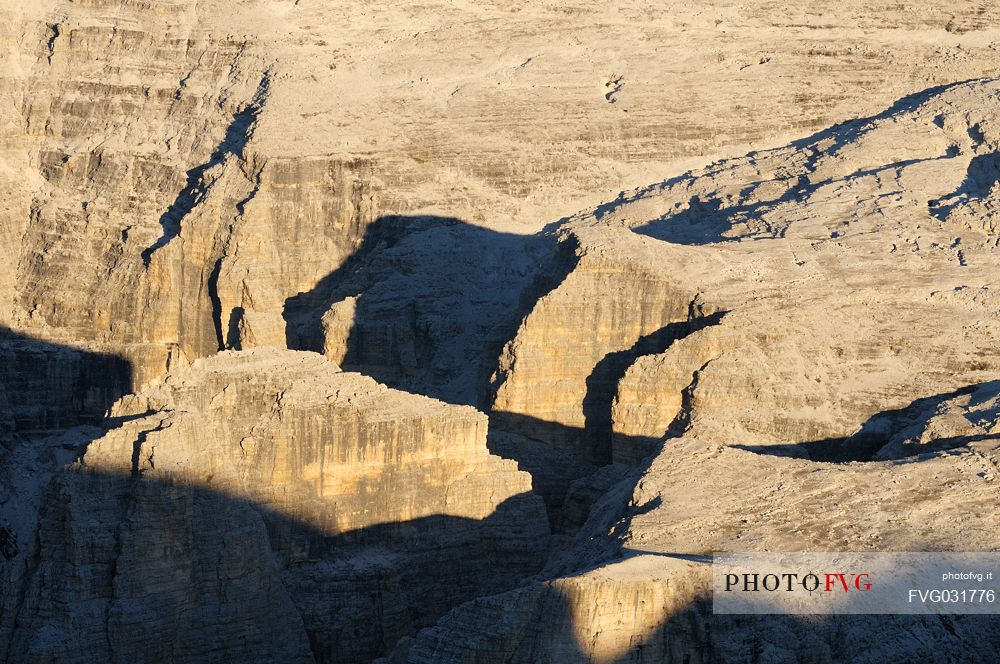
(185, 167)
(151, 571)
(936, 424)
(557, 378)
(263, 492)
(883, 286)
(293, 419)
(426, 303)
(808, 289)
(840, 397)
(697, 498)
(47, 386)
(806, 331)
(598, 617)
(653, 609)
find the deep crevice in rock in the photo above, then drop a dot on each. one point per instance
(602, 384)
(199, 179)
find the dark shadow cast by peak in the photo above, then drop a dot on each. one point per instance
(541, 620)
(981, 178)
(46, 385)
(175, 571)
(558, 621)
(602, 383)
(889, 426)
(559, 473)
(199, 179)
(706, 220)
(172, 570)
(425, 303)
(695, 634)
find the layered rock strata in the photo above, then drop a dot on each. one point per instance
(802, 332)
(260, 494)
(784, 297)
(152, 154)
(841, 397)
(651, 601)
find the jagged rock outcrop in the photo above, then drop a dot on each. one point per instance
(650, 609)
(823, 286)
(245, 503)
(557, 378)
(719, 361)
(153, 153)
(841, 396)
(426, 303)
(943, 422)
(655, 605)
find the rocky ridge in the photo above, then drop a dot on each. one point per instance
(269, 492)
(842, 397)
(790, 349)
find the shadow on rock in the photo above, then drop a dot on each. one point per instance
(579, 618)
(981, 178)
(602, 383)
(44, 385)
(129, 568)
(425, 304)
(901, 433)
(707, 219)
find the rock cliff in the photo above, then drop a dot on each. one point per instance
(268, 492)
(154, 153)
(826, 381)
(302, 359)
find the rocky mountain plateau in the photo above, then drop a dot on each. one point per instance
(469, 331)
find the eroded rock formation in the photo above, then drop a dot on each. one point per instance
(842, 397)
(545, 424)
(268, 492)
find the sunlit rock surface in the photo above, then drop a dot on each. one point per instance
(184, 168)
(547, 419)
(263, 491)
(840, 396)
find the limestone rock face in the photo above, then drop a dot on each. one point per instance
(719, 360)
(261, 492)
(557, 377)
(143, 196)
(651, 603)
(599, 616)
(46, 386)
(126, 126)
(837, 394)
(426, 303)
(293, 419)
(106, 586)
(651, 609)
(303, 218)
(153, 152)
(782, 297)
